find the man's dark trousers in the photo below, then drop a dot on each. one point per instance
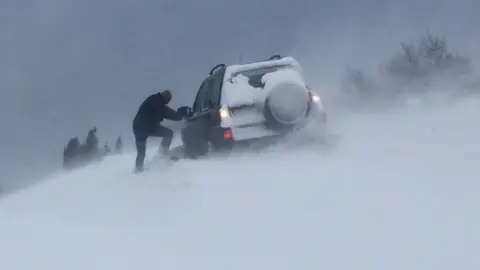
(142, 133)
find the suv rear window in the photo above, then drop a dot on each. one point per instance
(255, 75)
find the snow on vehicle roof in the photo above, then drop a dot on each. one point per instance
(235, 69)
(282, 75)
(238, 91)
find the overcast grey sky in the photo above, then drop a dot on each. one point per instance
(67, 65)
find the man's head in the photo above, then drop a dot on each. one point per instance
(167, 95)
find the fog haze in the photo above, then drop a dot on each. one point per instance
(68, 65)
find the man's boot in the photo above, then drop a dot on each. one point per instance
(164, 151)
(165, 146)
(140, 159)
(138, 167)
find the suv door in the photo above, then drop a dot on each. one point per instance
(195, 131)
(201, 105)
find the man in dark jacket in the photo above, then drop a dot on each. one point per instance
(147, 124)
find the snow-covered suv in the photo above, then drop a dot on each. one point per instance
(250, 101)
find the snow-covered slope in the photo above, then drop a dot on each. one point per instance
(400, 192)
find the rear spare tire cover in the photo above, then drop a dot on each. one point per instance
(286, 104)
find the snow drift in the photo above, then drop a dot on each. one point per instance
(400, 192)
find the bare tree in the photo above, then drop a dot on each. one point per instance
(426, 60)
(417, 68)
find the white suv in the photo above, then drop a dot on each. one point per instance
(251, 101)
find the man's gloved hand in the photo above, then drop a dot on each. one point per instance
(184, 110)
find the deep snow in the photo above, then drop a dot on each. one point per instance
(399, 192)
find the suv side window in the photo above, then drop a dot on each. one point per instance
(208, 101)
(216, 90)
(201, 94)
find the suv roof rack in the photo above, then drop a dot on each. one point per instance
(215, 67)
(275, 57)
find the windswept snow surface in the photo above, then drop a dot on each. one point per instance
(399, 192)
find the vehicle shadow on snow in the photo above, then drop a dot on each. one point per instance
(302, 141)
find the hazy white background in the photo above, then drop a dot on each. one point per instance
(399, 192)
(66, 65)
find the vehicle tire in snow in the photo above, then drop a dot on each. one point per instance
(194, 145)
(286, 105)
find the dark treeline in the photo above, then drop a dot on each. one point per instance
(77, 154)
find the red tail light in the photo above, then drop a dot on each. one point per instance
(227, 134)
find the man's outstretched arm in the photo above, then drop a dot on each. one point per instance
(171, 114)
